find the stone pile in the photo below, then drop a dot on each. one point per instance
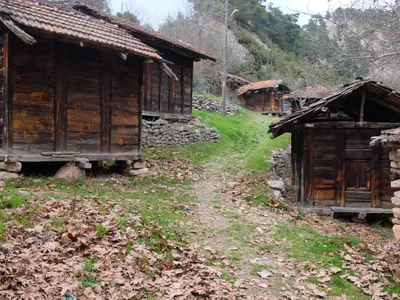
(395, 169)
(10, 170)
(161, 133)
(214, 106)
(391, 138)
(281, 162)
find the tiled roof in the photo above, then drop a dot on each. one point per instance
(311, 92)
(143, 30)
(60, 20)
(267, 84)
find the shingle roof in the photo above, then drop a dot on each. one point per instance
(136, 28)
(383, 96)
(267, 84)
(310, 92)
(231, 76)
(61, 20)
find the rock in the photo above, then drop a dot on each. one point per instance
(396, 212)
(395, 164)
(8, 175)
(396, 201)
(396, 231)
(140, 164)
(395, 184)
(23, 193)
(276, 184)
(394, 156)
(14, 167)
(161, 122)
(70, 171)
(395, 221)
(277, 195)
(259, 230)
(140, 172)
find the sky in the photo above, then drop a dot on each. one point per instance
(155, 12)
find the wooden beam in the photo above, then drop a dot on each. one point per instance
(340, 167)
(191, 87)
(171, 100)
(376, 176)
(309, 166)
(362, 107)
(26, 38)
(142, 86)
(383, 103)
(60, 98)
(182, 89)
(149, 81)
(160, 92)
(7, 118)
(105, 104)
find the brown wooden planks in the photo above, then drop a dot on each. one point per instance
(125, 107)
(2, 70)
(83, 104)
(31, 127)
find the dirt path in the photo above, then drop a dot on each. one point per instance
(231, 233)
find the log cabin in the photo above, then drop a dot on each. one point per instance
(234, 83)
(296, 100)
(70, 85)
(334, 167)
(263, 96)
(163, 96)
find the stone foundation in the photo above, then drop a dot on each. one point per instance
(395, 170)
(163, 133)
(214, 106)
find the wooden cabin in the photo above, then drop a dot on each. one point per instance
(263, 96)
(296, 100)
(70, 85)
(333, 165)
(234, 83)
(163, 95)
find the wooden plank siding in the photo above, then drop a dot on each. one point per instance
(2, 70)
(340, 168)
(263, 101)
(64, 97)
(166, 95)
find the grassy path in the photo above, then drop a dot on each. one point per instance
(201, 226)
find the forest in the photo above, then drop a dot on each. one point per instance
(266, 43)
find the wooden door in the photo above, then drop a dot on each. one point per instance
(358, 183)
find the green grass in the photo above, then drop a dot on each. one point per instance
(13, 202)
(243, 137)
(101, 231)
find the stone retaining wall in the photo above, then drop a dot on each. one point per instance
(214, 106)
(161, 133)
(395, 169)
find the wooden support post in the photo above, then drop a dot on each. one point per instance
(171, 100)
(376, 175)
(340, 167)
(141, 106)
(160, 92)
(149, 74)
(7, 118)
(105, 104)
(60, 98)
(309, 166)
(182, 89)
(191, 88)
(362, 107)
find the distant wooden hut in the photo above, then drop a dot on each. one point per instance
(70, 85)
(263, 96)
(334, 168)
(163, 95)
(296, 100)
(234, 83)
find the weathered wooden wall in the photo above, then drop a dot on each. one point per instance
(165, 95)
(2, 69)
(71, 98)
(339, 168)
(263, 101)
